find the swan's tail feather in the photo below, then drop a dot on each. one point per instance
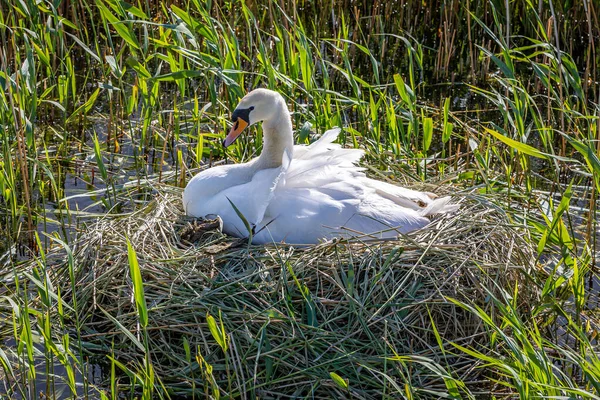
(439, 206)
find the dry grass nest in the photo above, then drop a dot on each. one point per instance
(365, 311)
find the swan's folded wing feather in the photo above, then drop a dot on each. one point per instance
(300, 215)
(341, 208)
(323, 144)
(251, 199)
(328, 165)
(328, 137)
(402, 196)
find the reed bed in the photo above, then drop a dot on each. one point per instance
(105, 102)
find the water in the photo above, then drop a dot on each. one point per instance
(50, 381)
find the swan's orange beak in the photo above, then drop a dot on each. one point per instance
(235, 131)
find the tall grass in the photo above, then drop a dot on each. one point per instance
(498, 97)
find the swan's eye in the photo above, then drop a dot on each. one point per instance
(251, 108)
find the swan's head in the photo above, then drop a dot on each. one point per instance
(258, 105)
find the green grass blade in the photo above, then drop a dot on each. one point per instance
(138, 285)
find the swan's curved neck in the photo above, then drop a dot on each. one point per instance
(277, 138)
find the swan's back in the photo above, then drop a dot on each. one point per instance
(323, 194)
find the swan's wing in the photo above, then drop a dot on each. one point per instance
(402, 196)
(327, 138)
(255, 196)
(251, 200)
(302, 216)
(323, 161)
(425, 203)
(276, 179)
(324, 143)
(341, 208)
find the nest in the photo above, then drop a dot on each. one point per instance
(297, 320)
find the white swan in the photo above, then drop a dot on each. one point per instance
(302, 194)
